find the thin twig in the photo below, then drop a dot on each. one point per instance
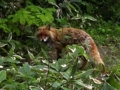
(45, 87)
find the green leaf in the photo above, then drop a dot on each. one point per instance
(76, 50)
(51, 1)
(65, 75)
(74, 68)
(44, 53)
(72, 7)
(106, 86)
(2, 44)
(36, 88)
(56, 84)
(17, 31)
(2, 75)
(22, 20)
(64, 88)
(30, 55)
(79, 82)
(10, 37)
(38, 67)
(9, 60)
(80, 49)
(58, 66)
(85, 74)
(89, 18)
(11, 51)
(30, 22)
(42, 17)
(18, 57)
(15, 18)
(25, 70)
(112, 81)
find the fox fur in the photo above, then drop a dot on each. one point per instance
(56, 38)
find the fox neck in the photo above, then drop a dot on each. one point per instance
(53, 34)
(55, 39)
(52, 38)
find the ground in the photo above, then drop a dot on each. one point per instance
(110, 55)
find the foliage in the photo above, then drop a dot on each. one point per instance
(62, 74)
(24, 65)
(105, 33)
(31, 15)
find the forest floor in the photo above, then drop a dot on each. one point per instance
(110, 55)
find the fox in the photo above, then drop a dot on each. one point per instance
(56, 38)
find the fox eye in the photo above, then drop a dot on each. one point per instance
(40, 35)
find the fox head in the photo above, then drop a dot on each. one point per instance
(44, 34)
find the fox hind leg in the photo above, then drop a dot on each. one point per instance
(84, 62)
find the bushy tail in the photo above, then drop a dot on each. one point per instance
(99, 61)
(94, 55)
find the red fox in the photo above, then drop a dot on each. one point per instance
(56, 38)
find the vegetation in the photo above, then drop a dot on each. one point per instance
(25, 63)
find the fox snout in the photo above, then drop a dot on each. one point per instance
(44, 39)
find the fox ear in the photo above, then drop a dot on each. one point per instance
(48, 27)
